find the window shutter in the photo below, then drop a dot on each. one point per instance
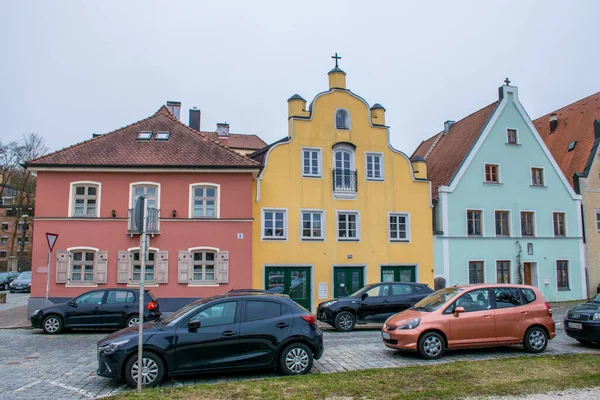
(162, 267)
(183, 268)
(223, 267)
(101, 267)
(123, 267)
(62, 266)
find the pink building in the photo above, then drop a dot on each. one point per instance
(199, 204)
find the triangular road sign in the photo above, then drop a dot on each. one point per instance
(51, 238)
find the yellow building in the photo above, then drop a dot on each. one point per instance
(336, 206)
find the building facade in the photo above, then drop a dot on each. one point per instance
(335, 205)
(16, 227)
(199, 214)
(572, 134)
(504, 212)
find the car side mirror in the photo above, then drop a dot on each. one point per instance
(193, 325)
(73, 303)
(458, 310)
(364, 296)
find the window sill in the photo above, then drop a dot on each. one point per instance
(474, 236)
(82, 285)
(348, 240)
(513, 144)
(564, 289)
(493, 183)
(375, 180)
(312, 239)
(201, 284)
(539, 186)
(344, 195)
(313, 176)
(399, 240)
(275, 239)
(149, 284)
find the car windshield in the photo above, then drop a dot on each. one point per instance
(25, 275)
(182, 311)
(596, 299)
(437, 299)
(3, 275)
(361, 291)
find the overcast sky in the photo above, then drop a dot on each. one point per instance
(70, 69)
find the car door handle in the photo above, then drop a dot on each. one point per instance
(97, 308)
(524, 312)
(229, 333)
(385, 302)
(126, 307)
(487, 316)
(282, 325)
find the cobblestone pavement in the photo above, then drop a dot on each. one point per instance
(13, 313)
(34, 365)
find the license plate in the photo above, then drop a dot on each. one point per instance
(574, 325)
(385, 335)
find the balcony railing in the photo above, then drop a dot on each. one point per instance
(152, 226)
(344, 180)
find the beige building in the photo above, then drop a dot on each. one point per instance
(572, 134)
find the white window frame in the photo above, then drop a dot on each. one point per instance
(389, 223)
(509, 224)
(481, 221)
(319, 151)
(337, 225)
(468, 265)
(535, 227)
(285, 224)
(71, 212)
(217, 188)
(348, 121)
(144, 183)
(203, 250)
(543, 176)
(323, 225)
(485, 173)
(131, 266)
(381, 169)
(518, 142)
(565, 223)
(71, 260)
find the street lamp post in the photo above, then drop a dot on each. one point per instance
(23, 231)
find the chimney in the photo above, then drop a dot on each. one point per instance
(448, 125)
(195, 118)
(553, 123)
(223, 129)
(175, 108)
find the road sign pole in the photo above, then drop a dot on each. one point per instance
(142, 297)
(51, 239)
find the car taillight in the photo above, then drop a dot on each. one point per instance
(311, 319)
(152, 306)
(549, 309)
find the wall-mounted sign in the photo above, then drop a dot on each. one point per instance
(323, 292)
(240, 235)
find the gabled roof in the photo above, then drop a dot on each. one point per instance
(260, 155)
(575, 123)
(445, 153)
(241, 141)
(185, 148)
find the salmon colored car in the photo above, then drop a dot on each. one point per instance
(472, 316)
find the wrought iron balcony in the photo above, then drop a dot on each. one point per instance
(152, 225)
(344, 180)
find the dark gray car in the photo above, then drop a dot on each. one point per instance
(6, 278)
(22, 283)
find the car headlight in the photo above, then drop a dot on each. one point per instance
(412, 324)
(33, 314)
(111, 347)
(329, 303)
(596, 317)
(29, 284)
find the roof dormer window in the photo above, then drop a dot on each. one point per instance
(144, 135)
(162, 135)
(342, 119)
(572, 145)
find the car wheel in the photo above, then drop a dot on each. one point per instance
(52, 325)
(132, 321)
(344, 321)
(296, 359)
(584, 342)
(12, 291)
(536, 340)
(431, 345)
(153, 370)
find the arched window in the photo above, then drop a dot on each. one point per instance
(344, 174)
(342, 119)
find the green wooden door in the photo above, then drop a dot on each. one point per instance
(347, 280)
(293, 281)
(399, 274)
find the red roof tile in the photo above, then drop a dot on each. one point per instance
(185, 147)
(238, 140)
(445, 153)
(575, 124)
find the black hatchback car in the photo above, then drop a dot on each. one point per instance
(582, 322)
(6, 278)
(21, 283)
(234, 331)
(111, 308)
(373, 303)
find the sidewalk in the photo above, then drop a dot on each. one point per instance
(13, 313)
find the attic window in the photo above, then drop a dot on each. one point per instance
(162, 135)
(144, 135)
(572, 145)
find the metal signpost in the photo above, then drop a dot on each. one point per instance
(51, 238)
(141, 221)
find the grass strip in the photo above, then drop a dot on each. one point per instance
(507, 376)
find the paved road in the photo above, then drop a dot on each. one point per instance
(34, 365)
(13, 313)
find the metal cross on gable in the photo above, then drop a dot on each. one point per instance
(336, 57)
(507, 82)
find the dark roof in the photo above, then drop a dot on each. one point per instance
(185, 147)
(377, 106)
(336, 69)
(575, 124)
(445, 153)
(296, 97)
(243, 141)
(260, 155)
(418, 158)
